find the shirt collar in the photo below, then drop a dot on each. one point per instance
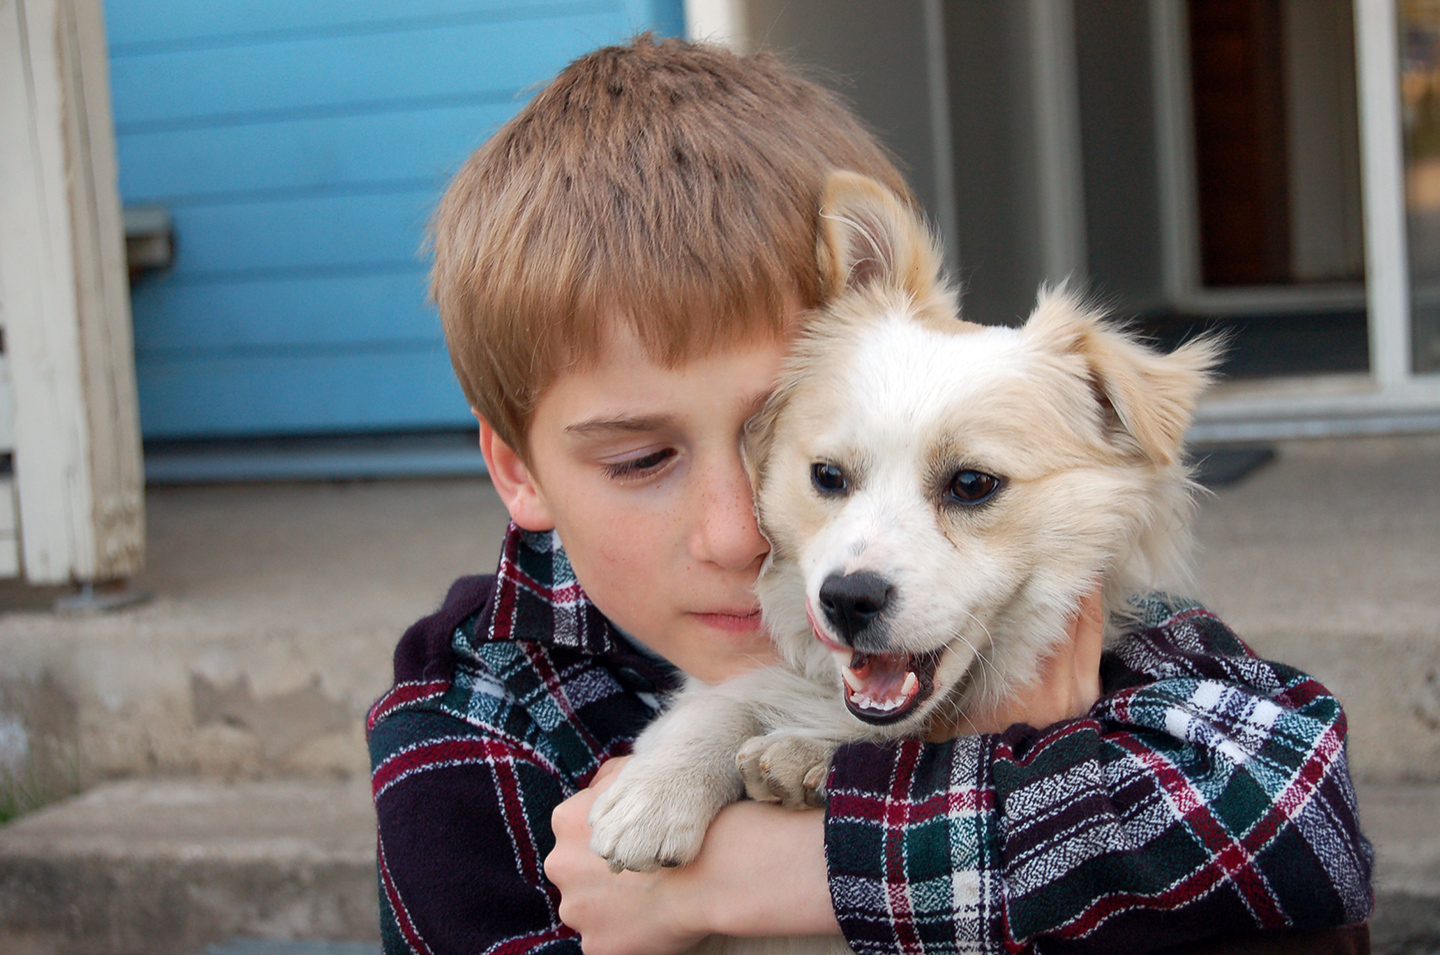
(538, 598)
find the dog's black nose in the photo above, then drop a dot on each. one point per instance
(852, 601)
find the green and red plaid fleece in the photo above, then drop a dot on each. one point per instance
(1206, 794)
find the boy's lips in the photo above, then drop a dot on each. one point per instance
(739, 620)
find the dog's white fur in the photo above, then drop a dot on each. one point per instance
(1081, 426)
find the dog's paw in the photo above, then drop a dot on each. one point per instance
(785, 768)
(646, 822)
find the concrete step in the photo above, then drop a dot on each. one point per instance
(266, 946)
(184, 867)
(168, 867)
(262, 946)
(1403, 821)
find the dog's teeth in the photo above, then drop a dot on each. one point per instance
(912, 682)
(851, 679)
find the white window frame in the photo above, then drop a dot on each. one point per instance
(1390, 398)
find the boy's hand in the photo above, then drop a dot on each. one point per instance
(730, 889)
(1069, 681)
(624, 913)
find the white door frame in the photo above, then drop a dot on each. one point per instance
(72, 418)
(1391, 397)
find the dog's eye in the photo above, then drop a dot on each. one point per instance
(827, 478)
(973, 487)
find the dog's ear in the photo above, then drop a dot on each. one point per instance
(1146, 398)
(760, 432)
(869, 235)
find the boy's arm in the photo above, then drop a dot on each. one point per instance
(761, 871)
(463, 826)
(1206, 792)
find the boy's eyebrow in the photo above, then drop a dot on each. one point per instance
(621, 423)
(636, 424)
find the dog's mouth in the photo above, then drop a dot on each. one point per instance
(880, 688)
(887, 687)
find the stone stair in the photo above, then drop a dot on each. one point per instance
(169, 867)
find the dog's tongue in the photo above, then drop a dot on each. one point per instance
(882, 688)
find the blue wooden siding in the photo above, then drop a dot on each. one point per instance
(300, 147)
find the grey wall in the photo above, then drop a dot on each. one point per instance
(874, 57)
(1118, 142)
(996, 199)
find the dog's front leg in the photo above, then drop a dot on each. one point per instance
(656, 811)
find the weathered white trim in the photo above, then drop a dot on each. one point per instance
(717, 21)
(77, 466)
(1261, 301)
(1061, 185)
(1317, 406)
(9, 545)
(7, 398)
(1175, 150)
(1387, 264)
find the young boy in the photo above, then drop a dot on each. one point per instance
(618, 270)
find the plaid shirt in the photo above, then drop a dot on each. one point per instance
(1206, 793)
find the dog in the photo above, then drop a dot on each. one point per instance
(939, 498)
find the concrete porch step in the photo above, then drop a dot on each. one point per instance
(169, 867)
(261, 946)
(190, 867)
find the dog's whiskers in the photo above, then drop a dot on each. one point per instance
(984, 661)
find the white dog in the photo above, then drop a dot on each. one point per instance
(939, 497)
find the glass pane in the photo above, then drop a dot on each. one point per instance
(1420, 106)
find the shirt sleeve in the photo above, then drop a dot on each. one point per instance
(464, 827)
(1207, 792)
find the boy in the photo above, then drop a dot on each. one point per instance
(618, 270)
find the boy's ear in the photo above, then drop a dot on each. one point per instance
(869, 235)
(514, 482)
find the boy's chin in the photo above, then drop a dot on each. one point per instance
(723, 654)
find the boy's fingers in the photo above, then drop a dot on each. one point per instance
(607, 772)
(570, 819)
(1088, 643)
(1069, 680)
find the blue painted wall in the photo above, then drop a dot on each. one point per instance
(300, 146)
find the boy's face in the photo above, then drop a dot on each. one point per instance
(638, 467)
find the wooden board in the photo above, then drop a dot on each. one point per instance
(375, 307)
(334, 154)
(152, 24)
(317, 75)
(303, 391)
(300, 149)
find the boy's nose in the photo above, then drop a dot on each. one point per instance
(725, 531)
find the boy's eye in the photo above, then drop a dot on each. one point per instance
(637, 467)
(827, 478)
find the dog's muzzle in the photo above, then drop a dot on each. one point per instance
(880, 685)
(853, 605)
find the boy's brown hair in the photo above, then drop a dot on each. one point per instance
(673, 185)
